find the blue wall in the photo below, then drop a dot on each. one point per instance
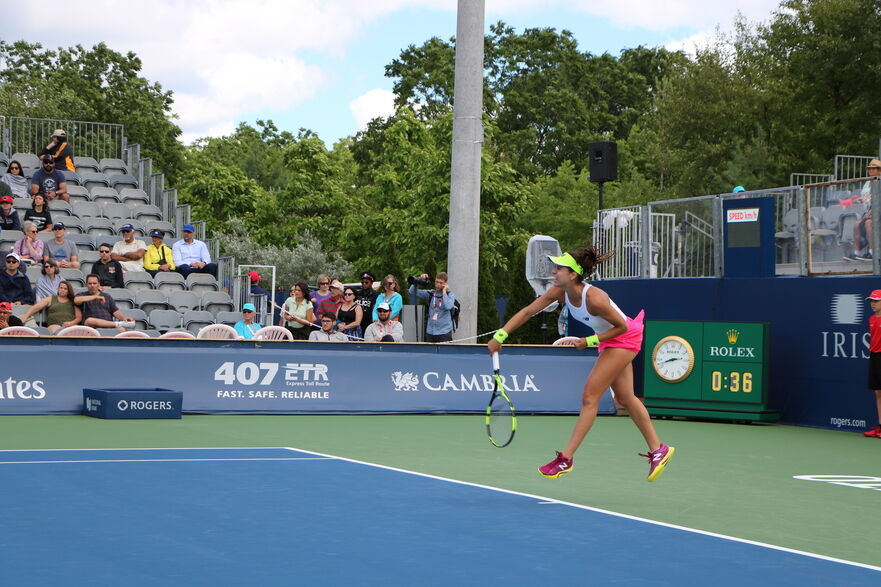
(819, 345)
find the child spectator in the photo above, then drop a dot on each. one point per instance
(875, 357)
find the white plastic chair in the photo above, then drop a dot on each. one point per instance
(132, 334)
(78, 330)
(273, 333)
(18, 331)
(217, 331)
(177, 334)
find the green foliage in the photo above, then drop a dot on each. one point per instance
(303, 261)
(218, 193)
(96, 84)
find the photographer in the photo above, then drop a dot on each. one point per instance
(440, 302)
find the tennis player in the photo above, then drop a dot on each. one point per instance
(619, 339)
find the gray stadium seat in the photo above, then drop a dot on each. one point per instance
(169, 281)
(151, 299)
(116, 210)
(83, 241)
(34, 272)
(195, 320)
(228, 317)
(112, 166)
(108, 331)
(183, 300)
(103, 194)
(26, 160)
(60, 206)
(122, 181)
(138, 280)
(139, 316)
(146, 212)
(73, 225)
(78, 193)
(134, 196)
(123, 297)
(71, 177)
(83, 209)
(201, 282)
(87, 164)
(91, 180)
(164, 226)
(98, 227)
(164, 320)
(75, 276)
(217, 302)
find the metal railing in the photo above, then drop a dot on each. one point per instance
(850, 166)
(98, 140)
(806, 178)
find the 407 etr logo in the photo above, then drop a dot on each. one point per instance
(295, 374)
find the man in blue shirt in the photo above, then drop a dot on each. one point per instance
(191, 255)
(440, 302)
(49, 181)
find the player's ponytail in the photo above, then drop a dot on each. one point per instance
(589, 258)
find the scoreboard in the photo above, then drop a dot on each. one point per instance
(707, 369)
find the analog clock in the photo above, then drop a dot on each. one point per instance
(673, 359)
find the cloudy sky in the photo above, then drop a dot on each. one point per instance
(320, 64)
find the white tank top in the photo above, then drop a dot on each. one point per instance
(581, 314)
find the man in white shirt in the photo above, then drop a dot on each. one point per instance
(191, 255)
(129, 251)
(384, 330)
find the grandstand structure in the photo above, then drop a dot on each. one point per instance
(112, 186)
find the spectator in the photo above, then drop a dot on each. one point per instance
(39, 214)
(60, 150)
(8, 217)
(191, 255)
(384, 329)
(15, 179)
(49, 181)
(61, 312)
(15, 287)
(99, 308)
(349, 315)
(440, 302)
(390, 295)
(328, 331)
(318, 296)
(29, 249)
(330, 306)
(7, 318)
(366, 298)
(862, 229)
(158, 256)
(256, 290)
(129, 251)
(108, 270)
(62, 250)
(246, 327)
(49, 281)
(297, 314)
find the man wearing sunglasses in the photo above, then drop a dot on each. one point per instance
(49, 181)
(62, 250)
(108, 270)
(15, 287)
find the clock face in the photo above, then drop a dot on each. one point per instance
(673, 359)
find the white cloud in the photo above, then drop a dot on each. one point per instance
(372, 104)
(676, 14)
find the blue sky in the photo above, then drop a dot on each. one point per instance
(320, 64)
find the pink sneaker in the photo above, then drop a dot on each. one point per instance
(873, 432)
(559, 466)
(658, 460)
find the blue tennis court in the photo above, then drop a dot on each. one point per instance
(286, 516)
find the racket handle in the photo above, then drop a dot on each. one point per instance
(495, 361)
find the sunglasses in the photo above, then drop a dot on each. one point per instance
(57, 229)
(323, 283)
(15, 169)
(32, 231)
(48, 163)
(348, 293)
(389, 283)
(247, 311)
(12, 260)
(103, 251)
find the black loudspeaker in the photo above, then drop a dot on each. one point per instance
(603, 161)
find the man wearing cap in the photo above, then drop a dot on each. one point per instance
(246, 327)
(7, 318)
(383, 329)
(862, 229)
(8, 217)
(366, 298)
(328, 331)
(158, 256)
(191, 255)
(129, 251)
(108, 269)
(62, 250)
(99, 309)
(60, 150)
(440, 302)
(49, 181)
(15, 287)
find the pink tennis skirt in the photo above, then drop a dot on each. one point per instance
(630, 340)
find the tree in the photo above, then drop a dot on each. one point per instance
(97, 85)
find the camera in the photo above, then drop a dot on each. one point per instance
(419, 282)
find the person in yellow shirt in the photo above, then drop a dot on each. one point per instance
(159, 256)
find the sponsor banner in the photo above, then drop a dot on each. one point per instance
(132, 403)
(247, 377)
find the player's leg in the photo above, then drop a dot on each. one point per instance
(624, 393)
(610, 363)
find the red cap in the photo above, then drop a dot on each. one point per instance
(254, 276)
(6, 200)
(5, 307)
(875, 295)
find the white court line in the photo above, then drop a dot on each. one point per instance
(162, 460)
(540, 499)
(547, 500)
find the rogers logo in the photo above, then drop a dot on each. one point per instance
(22, 389)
